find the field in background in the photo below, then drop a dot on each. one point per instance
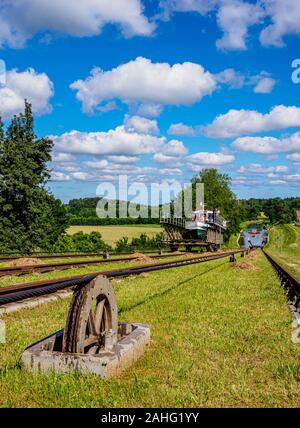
(221, 336)
(284, 245)
(111, 234)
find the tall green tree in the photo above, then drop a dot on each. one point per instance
(30, 217)
(218, 194)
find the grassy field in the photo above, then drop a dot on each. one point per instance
(284, 244)
(111, 234)
(221, 336)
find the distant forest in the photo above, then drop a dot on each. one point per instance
(278, 210)
(83, 212)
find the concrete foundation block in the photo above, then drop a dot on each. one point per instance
(46, 356)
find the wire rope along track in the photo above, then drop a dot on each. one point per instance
(50, 256)
(12, 257)
(290, 283)
(43, 268)
(20, 292)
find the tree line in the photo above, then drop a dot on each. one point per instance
(278, 210)
(218, 193)
(30, 217)
(83, 212)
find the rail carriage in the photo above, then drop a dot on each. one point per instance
(204, 229)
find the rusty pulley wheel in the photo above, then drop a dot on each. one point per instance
(92, 322)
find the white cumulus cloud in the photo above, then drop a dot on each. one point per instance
(142, 81)
(20, 20)
(116, 141)
(149, 110)
(181, 129)
(174, 148)
(274, 18)
(294, 157)
(205, 159)
(141, 125)
(171, 153)
(59, 176)
(277, 182)
(285, 18)
(123, 160)
(37, 88)
(234, 79)
(265, 85)
(262, 83)
(239, 122)
(235, 17)
(293, 177)
(257, 168)
(62, 157)
(268, 145)
(200, 6)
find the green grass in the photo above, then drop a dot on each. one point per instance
(111, 234)
(232, 242)
(284, 245)
(220, 337)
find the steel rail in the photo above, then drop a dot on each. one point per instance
(73, 255)
(24, 291)
(290, 283)
(83, 255)
(61, 253)
(56, 256)
(42, 268)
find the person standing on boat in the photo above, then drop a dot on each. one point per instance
(215, 215)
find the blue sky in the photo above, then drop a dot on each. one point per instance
(158, 90)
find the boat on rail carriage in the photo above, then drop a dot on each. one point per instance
(205, 229)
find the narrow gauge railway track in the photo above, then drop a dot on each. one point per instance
(43, 268)
(51, 256)
(67, 255)
(55, 256)
(20, 292)
(290, 283)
